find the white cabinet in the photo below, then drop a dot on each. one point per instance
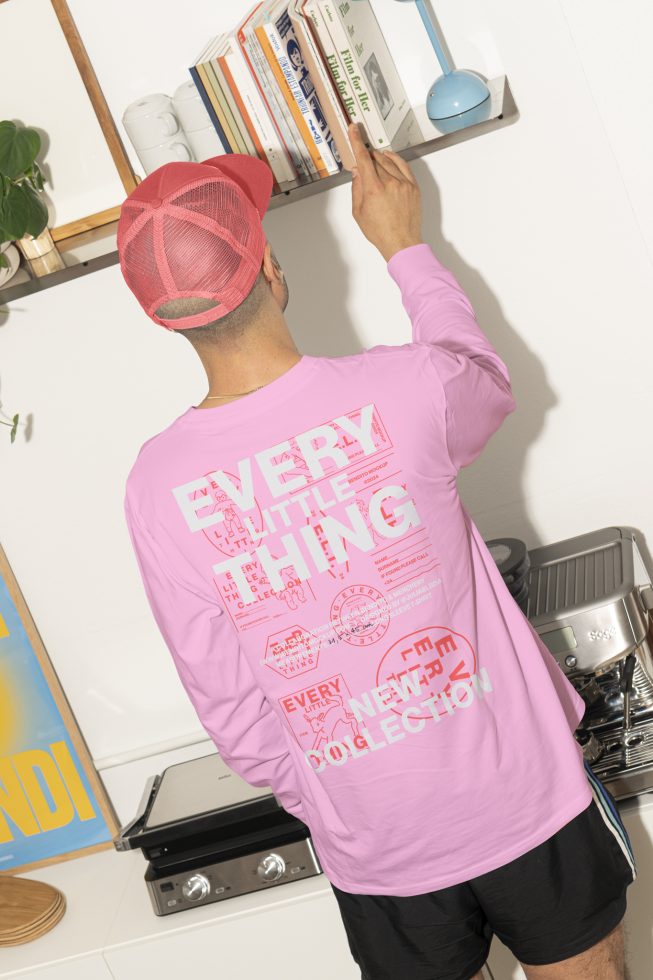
(294, 940)
(85, 968)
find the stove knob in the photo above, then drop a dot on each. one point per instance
(271, 867)
(195, 888)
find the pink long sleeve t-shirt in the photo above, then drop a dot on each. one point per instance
(335, 617)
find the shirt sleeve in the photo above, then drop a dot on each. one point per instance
(472, 380)
(218, 679)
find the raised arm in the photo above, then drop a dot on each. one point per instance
(473, 382)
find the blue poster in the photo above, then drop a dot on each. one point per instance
(47, 804)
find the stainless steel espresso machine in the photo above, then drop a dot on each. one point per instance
(590, 599)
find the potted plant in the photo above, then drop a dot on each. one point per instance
(23, 212)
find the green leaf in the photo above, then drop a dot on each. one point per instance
(22, 211)
(14, 427)
(37, 218)
(35, 177)
(18, 148)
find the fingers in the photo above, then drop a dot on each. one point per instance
(402, 165)
(356, 192)
(364, 163)
(386, 164)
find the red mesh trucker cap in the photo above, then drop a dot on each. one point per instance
(194, 229)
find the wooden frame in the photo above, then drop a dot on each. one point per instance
(121, 160)
(129, 179)
(39, 734)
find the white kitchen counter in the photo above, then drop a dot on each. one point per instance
(94, 887)
(110, 932)
(108, 907)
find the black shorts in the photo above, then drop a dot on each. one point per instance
(555, 901)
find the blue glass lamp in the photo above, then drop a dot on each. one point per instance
(458, 98)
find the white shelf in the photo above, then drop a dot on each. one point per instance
(96, 249)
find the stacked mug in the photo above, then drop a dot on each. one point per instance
(154, 131)
(196, 122)
(156, 124)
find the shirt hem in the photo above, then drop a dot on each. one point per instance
(562, 817)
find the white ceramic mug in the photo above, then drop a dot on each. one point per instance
(150, 120)
(175, 148)
(205, 143)
(189, 108)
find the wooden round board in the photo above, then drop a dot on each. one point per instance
(28, 908)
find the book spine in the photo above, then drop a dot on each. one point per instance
(327, 93)
(232, 122)
(305, 158)
(265, 81)
(255, 110)
(356, 77)
(316, 20)
(242, 109)
(269, 42)
(233, 142)
(243, 48)
(292, 63)
(232, 103)
(209, 108)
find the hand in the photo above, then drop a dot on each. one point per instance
(386, 200)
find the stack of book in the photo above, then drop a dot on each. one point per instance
(288, 79)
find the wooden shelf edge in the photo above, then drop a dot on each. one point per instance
(504, 112)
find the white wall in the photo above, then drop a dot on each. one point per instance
(547, 224)
(41, 87)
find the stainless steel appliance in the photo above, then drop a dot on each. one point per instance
(208, 835)
(590, 599)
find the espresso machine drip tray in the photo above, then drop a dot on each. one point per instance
(590, 600)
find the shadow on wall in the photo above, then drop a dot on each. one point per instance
(492, 487)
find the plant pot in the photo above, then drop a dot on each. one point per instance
(43, 265)
(33, 248)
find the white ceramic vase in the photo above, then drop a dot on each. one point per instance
(11, 254)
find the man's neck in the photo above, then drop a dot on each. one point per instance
(251, 361)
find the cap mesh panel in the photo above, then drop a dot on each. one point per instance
(200, 260)
(142, 272)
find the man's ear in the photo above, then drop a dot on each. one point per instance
(271, 268)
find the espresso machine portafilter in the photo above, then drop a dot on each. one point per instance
(590, 599)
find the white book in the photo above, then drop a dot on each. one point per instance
(370, 50)
(271, 142)
(291, 62)
(362, 77)
(228, 94)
